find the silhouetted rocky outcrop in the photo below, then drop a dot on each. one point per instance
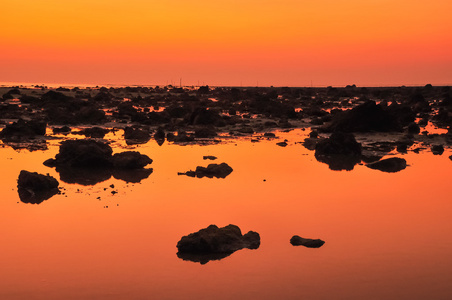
(369, 116)
(215, 243)
(35, 188)
(212, 170)
(310, 243)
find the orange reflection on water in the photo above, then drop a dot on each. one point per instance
(386, 234)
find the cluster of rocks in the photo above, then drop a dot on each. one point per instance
(214, 243)
(201, 113)
(212, 170)
(88, 162)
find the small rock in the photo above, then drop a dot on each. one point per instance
(310, 243)
(437, 149)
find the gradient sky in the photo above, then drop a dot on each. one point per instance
(227, 42)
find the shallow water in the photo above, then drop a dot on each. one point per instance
(387, 234)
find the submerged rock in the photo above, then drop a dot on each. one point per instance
(212, 170)
(390, 165)
(215, 243)
(310, 243)
(35, 188)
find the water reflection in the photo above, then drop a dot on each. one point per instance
(202, 258)
(93, 176)
(35, 197)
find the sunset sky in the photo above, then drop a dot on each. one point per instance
(227, 42)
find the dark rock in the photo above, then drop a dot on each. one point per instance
(130, 160)
(437, 149)
(269, 135)
(209, 157)
(314, 134)
(23, 129)
(414, 128)
(310, 243)
(35, 188)
(282, 144)
(201, 245)
(94, 132)
(366, 117)
(390, 165)
(205, 132)
(64, 129)
(136, 136)
(159, 134)
(84, 153)
(310, 143)
(212, 170)
(340, 151)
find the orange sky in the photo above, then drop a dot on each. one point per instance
(227, 42)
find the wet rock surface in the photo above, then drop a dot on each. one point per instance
(389, 165)
(35, 188)
(215, 243)
(212, 170)
(309, 243)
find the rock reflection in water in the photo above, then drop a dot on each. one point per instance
(93, 176)
(35, 197)
(83, 176)
(202, 258)
(339, 162)
(131, 176)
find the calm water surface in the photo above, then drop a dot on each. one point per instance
(387, 234)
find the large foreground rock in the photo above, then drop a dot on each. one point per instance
(310, 243)
(82, 154)
(215, 243)
(35, 188)
(340, 151)
(390, 165)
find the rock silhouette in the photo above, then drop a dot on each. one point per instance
(35, 188)
(212, 170)
(213, 243)
(310, 243)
